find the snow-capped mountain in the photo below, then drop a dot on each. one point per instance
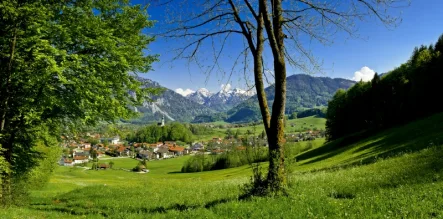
(200, 96)
(168, 104)
(223, 100)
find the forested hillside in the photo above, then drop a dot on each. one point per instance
(408, 92)
(303, 92)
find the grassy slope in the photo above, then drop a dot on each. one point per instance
(409, 185)
(300, 124)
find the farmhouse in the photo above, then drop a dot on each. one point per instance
(68, 162)
(162, 152)
(80, 159)
(145, 154)
(176, 150)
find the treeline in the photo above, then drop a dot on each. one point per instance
(153, 133)
(409, 92)
(228, 159)
(312, 112)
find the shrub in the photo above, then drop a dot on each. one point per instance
(228, 159)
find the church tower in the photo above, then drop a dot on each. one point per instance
(162, 123)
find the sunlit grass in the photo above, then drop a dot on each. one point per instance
(394, 174)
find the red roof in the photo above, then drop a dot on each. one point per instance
(176, 148)
(67, 160)
(80, 158)
(120, 149)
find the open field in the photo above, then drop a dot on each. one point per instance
(394, 174)
(299, 125)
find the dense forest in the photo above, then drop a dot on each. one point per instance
(407, 93)
(153, 133)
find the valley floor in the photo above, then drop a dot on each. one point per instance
(397, 173)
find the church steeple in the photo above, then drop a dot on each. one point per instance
(162, 123)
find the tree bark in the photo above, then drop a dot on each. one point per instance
(276, 174)
(4, 105)
(258, 74)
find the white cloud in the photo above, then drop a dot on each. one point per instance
(364, 74)
(226, 87)
(184, 92)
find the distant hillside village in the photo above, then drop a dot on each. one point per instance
(81, 151)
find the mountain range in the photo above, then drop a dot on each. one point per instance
(171, 105)
(302, 92)
(221, 101)
(236, 105)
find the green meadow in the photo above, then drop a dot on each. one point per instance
(397, 173)
(292, 126)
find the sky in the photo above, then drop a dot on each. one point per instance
(377, 49)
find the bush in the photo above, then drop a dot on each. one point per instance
(229, 159)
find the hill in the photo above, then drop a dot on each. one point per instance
(303, 91)
(171, 105)
(396, 174)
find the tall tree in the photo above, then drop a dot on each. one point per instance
(260, 25)
(62, 64)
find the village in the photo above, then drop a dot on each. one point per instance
(79, 152)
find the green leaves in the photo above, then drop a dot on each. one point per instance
(64, 63)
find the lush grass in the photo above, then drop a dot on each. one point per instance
(351, 150)
(299, 125)
(394, 174)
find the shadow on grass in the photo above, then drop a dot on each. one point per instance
(175, 172)
(82, 210)
(411, 137)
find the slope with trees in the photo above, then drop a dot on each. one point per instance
(303, 92)
(402, 95)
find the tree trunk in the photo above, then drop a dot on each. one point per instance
(276, 175)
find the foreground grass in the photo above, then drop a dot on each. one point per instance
(395, 174)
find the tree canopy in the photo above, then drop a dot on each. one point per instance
(63, 64)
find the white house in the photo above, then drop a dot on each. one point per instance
(80, 159)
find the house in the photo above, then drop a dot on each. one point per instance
(80, 159)
(145, 154)
(84, 145)
(122, 150)
(170, 143)
(81, 153)
(162, 152)
(198, 147)
(187, 150)
(114, 140)
(176, 150)
(67, 162)
(217, 140)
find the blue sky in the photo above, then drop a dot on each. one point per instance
(379, 49)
